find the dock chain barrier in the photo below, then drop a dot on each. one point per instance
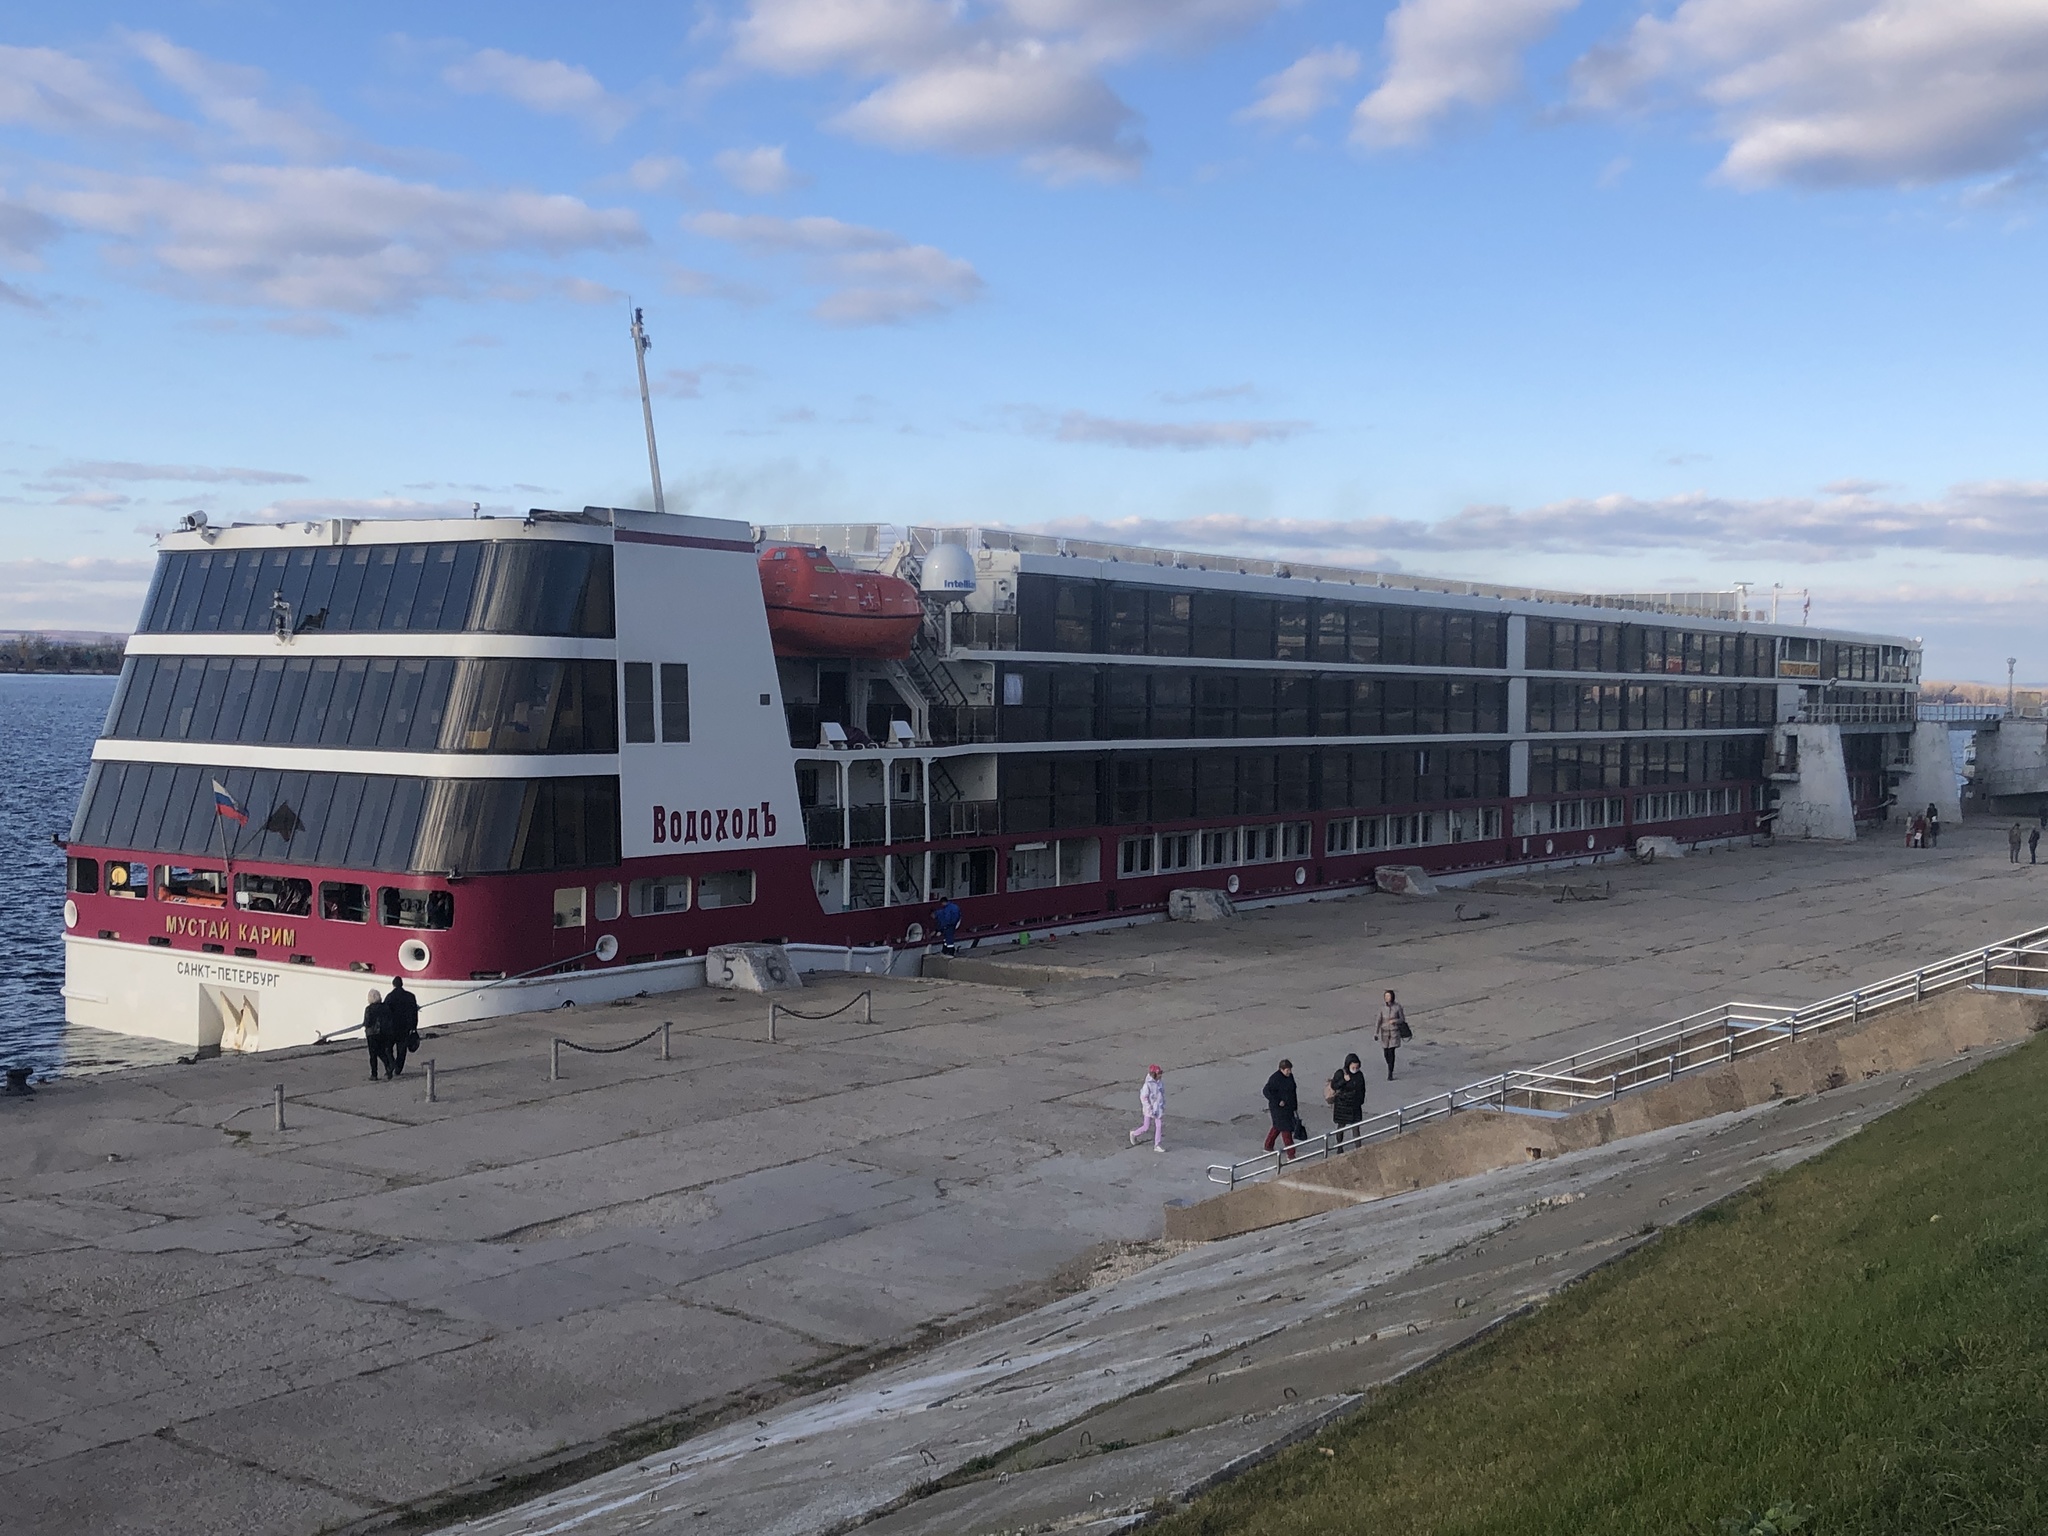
(867, 1016)
(555, 1048)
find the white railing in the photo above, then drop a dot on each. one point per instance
(1710, 1038)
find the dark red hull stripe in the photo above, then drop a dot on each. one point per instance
(681, 541)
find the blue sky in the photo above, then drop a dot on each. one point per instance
(1585, 294)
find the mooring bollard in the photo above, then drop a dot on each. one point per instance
(430, 1082)
(554, 1061)
(280, 1106)
(867, 1007)
(773, 1010)
(664, 1039)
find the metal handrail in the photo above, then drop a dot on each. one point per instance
(1712, 1037)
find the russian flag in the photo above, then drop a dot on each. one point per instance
(224, 803)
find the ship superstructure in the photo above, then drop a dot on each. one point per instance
(522, 761)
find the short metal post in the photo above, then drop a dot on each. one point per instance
(431, 1096)
(664, 1039)
(1400, 1119)
(773, 1010)
(1856, 1007)
(867, 1007)
(280, 1106)
(1987, 967)
(1919, 985)
(554, 1061)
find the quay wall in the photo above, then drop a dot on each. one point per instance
(1895, 1041)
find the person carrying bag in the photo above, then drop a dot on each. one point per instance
(1391, 1030)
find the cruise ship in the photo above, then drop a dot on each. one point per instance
(522, 761)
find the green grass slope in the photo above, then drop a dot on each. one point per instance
(1864, 1337)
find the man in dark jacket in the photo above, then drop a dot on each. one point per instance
(1347, 1097)
(405, 1023)
(1284, 1107)
(377, 1035)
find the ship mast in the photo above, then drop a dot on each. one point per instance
(641, 342)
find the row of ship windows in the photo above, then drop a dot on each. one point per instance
(1058, 613)
(654, 896)
(1080, 703)
(506, 587)
(1555, 706)
(386, 704)
(355, 820)
(1053, 703)
(341, 901)
(1123, 788)
(1563, 767)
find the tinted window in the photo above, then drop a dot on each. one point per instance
(373, 821)
(524, 586)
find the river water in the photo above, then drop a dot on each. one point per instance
(47, 727)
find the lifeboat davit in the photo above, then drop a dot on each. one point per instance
(816, 609)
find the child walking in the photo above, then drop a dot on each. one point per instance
(1152, 1100)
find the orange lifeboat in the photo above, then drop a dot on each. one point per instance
(816, 609)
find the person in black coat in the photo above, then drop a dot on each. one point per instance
(405, 1023)
(1347, 1096)
(1284, 1106)
(377, 1035)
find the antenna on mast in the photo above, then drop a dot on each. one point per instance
(641, 343)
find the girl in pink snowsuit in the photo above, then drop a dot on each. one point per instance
(1152, 1100)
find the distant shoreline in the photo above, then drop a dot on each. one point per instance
(17, 671)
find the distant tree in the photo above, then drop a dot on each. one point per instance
(40, 653)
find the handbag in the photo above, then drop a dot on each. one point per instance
(1402, 1026)
(1300, 1128)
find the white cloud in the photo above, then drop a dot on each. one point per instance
(1184, 436)
(871, 276)
(318, 509)
(760, 172)
(1443, 55)
(102, 470)
(23, 231)
(88, 593)
(655, 173)
(1303, 88)
(330, 238)
(1845, 92)
(1045, 103)
(541, 85)
(1997, 518)
(54, 92)
(1005, 77)
(233, 97)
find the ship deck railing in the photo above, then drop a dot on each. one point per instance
(1713, 1037)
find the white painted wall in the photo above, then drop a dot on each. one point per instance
(695, 597)
(2013, 760)
(1818, 805)
(1931, 778)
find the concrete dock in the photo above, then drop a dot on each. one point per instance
(395, 1313)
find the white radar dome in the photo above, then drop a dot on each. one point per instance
(948, 569)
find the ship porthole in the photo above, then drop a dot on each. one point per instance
(70, 913)
(414, 955)
(914, 934)
(1300, 875)
(1231, 885)
(1546, 845)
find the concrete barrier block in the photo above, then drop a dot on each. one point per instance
(751, 968)
(1659, 848)
(1193, 905)
(1403, 880)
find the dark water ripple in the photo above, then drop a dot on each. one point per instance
(47, 726)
